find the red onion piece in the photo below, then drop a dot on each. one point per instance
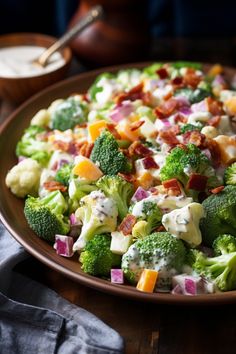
(121, 111)
(139, 194)
(199, 107)
(64, 245)
(117, 276)
(72, 219)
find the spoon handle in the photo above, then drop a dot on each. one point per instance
(93, 15)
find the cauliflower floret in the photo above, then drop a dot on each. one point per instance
(184, 223)
(23, 178)
(210, 132)
(41, 118)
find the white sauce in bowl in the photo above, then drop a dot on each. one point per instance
(17, 61)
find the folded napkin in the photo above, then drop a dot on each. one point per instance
(34, 319)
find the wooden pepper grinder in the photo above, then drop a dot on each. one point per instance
(122, 36)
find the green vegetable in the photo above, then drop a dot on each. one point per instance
(160, 251)
(119, 190)
(220, 211)
(31, 146)
(194, 96)
(224, 244)
(180, 163)
(152, 216)
(69, 113)
(106, 154)
(98, 215)
(190, 127)
(230, 174)
(64, 173)
(151, 70)
(97, 258)
(78, 188)
(221, 269)
(97, 87)
(45, 215)
(186, 64)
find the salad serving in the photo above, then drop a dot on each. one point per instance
(137, 178)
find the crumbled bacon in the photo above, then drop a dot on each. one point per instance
(191, 78)
(214, 121)
(173, 185)
(149, 162)
(134, 94)
(127, 224)
(169, 137)
(213, 146)
(194, 137)
(61, 145)
(54, 186)
(163, 73)
(126, 177)
(112, 129)
(160, 228)
(177, 81)
(86, 149)
(165, 109)
(217, 190)
(136, 125)
(214, 107)
(197, 182)
(137, 148)
(180, 118)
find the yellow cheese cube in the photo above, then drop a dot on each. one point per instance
(147, 280)
(86, 169)
(95, 129)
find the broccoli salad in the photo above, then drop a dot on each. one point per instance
(136, 178)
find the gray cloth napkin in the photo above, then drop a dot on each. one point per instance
(34, 319)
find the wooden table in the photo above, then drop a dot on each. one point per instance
(146, 328)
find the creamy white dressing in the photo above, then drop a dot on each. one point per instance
(17, 61)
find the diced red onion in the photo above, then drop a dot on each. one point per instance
(121, 111)
(190, 285)
(207, 153)
(182, 101)
(177, 290)
(161, 83)
(218, 80)
(186, 110)
(72, 219)
(139, 194)
(117, 276)
(62, 162)
(64, 245)
(199, 107)
(161, 124)
(21, 158)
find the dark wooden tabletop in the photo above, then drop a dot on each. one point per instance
(146, 328)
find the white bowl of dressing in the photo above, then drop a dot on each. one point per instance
(19, 76)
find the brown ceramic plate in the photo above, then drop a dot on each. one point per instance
(11, 208)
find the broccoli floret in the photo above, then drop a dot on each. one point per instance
(230, 174)
(190, 127)
(45, 215)
(97, 258)
(220, 211)
(151, 70)
(180, 163)
(221, 269)
(159, 251)
(118, 189)
(193, 96)
(69, 113)
(31, 146)
(186, 64)
(63, 175)
(140, 230)
(106, 154)
(224, 244)
(78, 188)
(98, 215)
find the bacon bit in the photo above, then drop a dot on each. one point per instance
(54, 186)
(215, 151)
(169, 137)
(82, 125)
(182, 146)
(134, 94)
(127, 224)
(112, 129)
(214, 121)
(128, 178)
(165, 109)
(217, 190)
(160, 228)
(173, 185)
(177, 81)
(61, 145)
(194, 137)
(197, 182)
(153, 190)
(163, 73)
(146, 98)
(180, 118)
(136, 148)
(86, 149)
(214, 107)
(167, 96)
(191, 78)
(136, 125)
(148, 163)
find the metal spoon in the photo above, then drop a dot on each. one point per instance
(93, 15)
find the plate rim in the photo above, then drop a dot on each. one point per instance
(124, 291)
